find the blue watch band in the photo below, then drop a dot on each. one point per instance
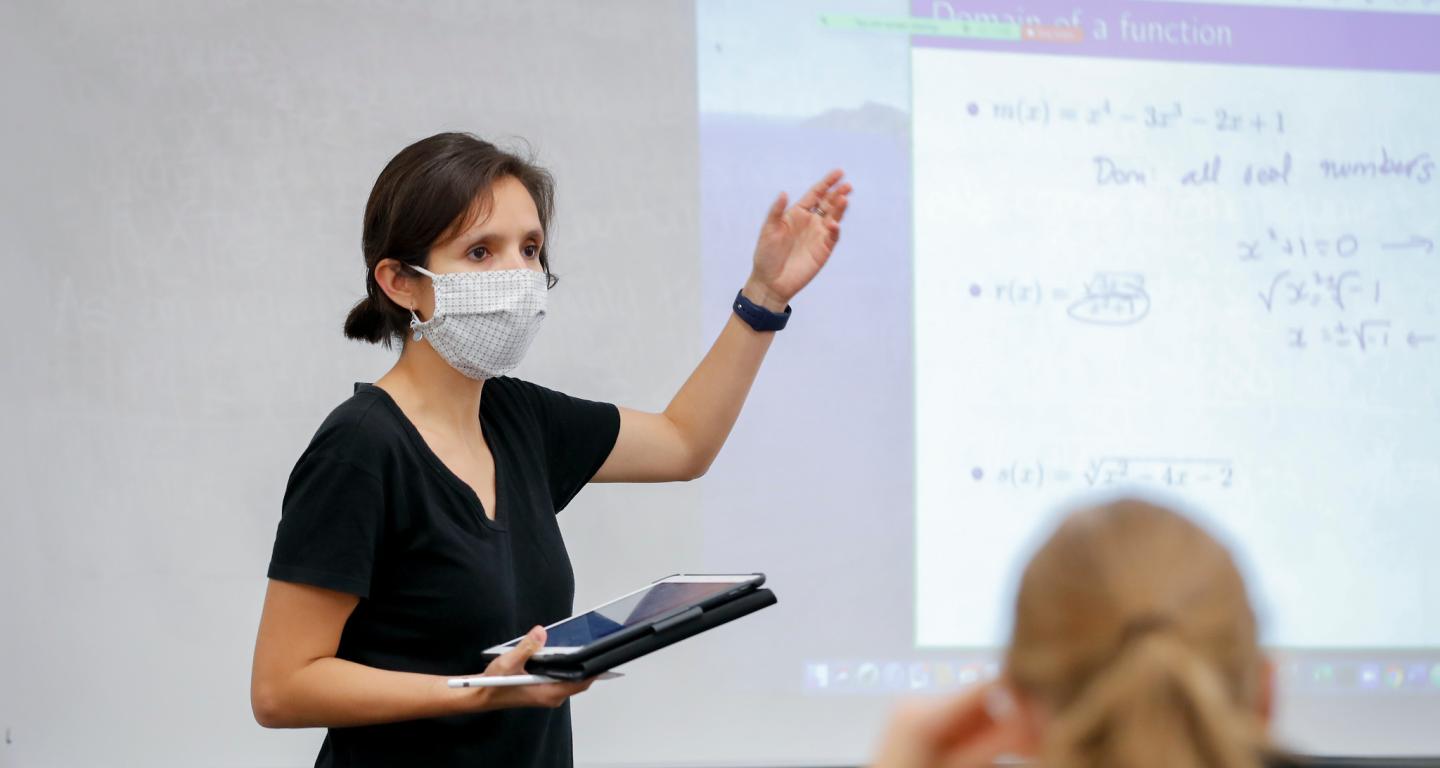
(758, 317)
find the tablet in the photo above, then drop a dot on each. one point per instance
(650, 608)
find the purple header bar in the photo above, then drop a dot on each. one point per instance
(1230, 34)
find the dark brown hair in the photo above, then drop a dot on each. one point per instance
(426, 196)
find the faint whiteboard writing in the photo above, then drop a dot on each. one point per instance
(1112, 298)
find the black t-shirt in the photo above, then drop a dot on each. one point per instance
(372, 511)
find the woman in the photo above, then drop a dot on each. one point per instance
(1134, 646)
(418, 527)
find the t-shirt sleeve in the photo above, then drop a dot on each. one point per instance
(579, 435)
(330, 526)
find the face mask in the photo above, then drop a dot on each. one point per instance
(483, 321)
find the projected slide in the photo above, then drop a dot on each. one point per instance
(1183, 249)
(1214, 280)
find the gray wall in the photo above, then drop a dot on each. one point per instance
(180, 211)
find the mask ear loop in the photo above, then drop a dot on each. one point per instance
(415, 323)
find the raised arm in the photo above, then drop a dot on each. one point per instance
(681, 442)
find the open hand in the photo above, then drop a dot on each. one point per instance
(796, 241)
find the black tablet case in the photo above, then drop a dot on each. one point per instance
(664, 633)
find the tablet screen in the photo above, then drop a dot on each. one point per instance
(637, 608)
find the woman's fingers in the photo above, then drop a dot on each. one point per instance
(777, 210)
(555, 694)
(836, 202)
(512, 662)
(816, 194)
(541, 695)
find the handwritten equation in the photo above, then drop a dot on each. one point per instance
(1275, 171)
(1110, 471)
(1340, 290)
(1169, 115)
(1115, 172)
(1277, 245)
(1347, 300)
(1362, 335)
(1107, 298)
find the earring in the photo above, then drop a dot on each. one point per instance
(415, 325)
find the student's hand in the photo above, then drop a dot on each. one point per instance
(958, 733)
(513, 663)
(795, 242)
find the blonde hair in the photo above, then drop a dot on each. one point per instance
(1134, 630)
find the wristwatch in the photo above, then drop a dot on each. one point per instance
(758, 317)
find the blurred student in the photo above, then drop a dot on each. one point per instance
(1134, 646)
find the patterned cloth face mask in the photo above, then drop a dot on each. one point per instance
(483, 321)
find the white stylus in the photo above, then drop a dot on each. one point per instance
(501, 681)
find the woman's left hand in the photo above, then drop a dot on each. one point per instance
(796, 241)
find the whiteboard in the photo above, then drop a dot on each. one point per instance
(182, 203)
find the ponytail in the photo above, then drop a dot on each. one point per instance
(367, 323)
(1157, 703)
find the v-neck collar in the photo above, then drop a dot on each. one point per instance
(444, 471)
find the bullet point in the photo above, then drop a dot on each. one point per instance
(973, 109)
(977, 473)
(974, 289)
